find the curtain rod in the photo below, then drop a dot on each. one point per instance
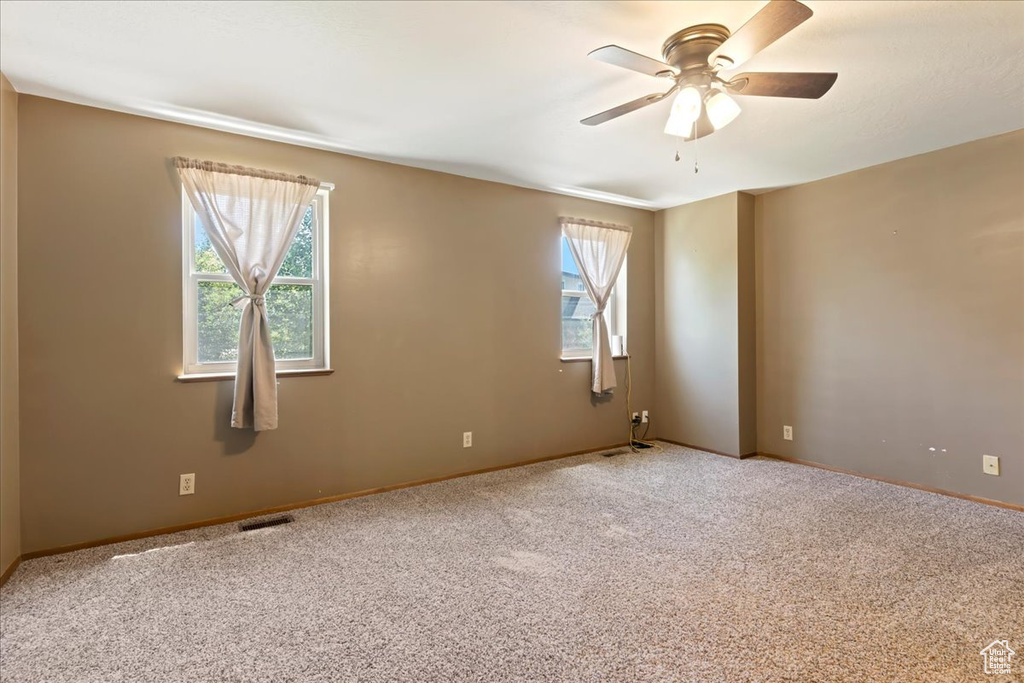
(598, 224)
(218, 167)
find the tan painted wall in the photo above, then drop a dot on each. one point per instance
(444, 319)
(10, 504)
(699, 250)
(746, 299)
(891, 319)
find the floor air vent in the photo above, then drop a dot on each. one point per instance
(265, 522)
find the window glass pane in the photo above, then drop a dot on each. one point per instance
(577, 326)
(206, 258)
(290, 308)
(299, 261)
(570, 273)
(218, 322)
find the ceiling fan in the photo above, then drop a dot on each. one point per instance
(695, 56)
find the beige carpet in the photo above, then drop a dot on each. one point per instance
(674, 566)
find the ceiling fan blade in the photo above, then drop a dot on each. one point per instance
(627, 59)
(775, 20)
(618, 111)
(809, 86)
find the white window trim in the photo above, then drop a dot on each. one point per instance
(320, 282)
(614, 314)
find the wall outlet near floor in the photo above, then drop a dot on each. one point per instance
(636, 418)
(990, 464)
(467, 439)
(644, 417)
(187, 484)
(787, 433)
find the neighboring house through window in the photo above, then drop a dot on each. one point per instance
(578, 309)
(296, 302)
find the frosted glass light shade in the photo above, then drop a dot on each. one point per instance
(685, 110)
(722, 109)
(687, 104)
(679, 128)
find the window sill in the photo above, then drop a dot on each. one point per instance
(226, 376)
(581, 359)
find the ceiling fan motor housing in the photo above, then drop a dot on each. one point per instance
(688, 50)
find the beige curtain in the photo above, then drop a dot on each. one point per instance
(599, 250)
(251, 217)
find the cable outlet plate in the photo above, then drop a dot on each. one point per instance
(990, 464)
(187, 484)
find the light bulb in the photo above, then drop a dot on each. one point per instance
(722, 109)
(685, 110)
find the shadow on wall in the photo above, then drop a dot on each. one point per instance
(235, 441)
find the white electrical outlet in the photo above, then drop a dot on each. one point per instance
(644, 417)
(636, 416)
(467, 439)
(990, 464)
(187, 484)
(787, 433)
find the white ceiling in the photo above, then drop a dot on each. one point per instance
(495, 90)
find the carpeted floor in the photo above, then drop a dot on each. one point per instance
(673, 566)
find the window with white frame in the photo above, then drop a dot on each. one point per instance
(296, 302)
(577, 309)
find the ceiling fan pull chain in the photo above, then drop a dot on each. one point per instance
(696, 168)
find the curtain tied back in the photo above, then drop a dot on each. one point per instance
(599, 250)
(251, 217)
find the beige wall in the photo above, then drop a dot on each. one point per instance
(890, 329)
(746, 316)
(444, 319)
(700, 249)
(10, 504)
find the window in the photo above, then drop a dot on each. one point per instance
(296, 302)
(577, 309)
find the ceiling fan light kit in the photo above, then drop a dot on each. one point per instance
(722, 109)
(693, 60)
(689, 104)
